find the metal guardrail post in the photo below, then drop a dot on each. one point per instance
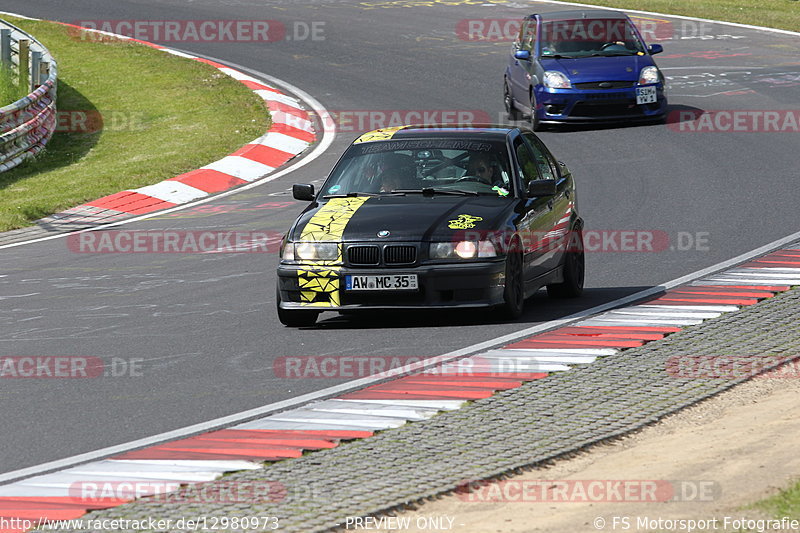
(23, 78)
(44, 72)
(36, 65)
(5, 47)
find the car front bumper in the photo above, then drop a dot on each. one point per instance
(451, 285)
(592, 105)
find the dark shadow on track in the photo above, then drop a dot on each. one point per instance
(676, 113)
(538, 308)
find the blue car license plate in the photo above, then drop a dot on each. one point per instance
(646, 95)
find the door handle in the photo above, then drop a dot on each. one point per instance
(567, 193)
(550, 205)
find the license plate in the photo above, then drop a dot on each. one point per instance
(646, 95)
(387, 282)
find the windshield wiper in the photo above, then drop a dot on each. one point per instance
(432, 191)
(351, 195)
(612, 54)
(557, 56)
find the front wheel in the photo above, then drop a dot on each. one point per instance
(508, 103)
(536, 124)
(574, 270)
(295, 318)
(514, 292)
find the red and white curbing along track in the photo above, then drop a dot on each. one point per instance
(291, 133)
(324, 424)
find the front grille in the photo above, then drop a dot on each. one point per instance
(600, 85)
(607, 98)
(363, 255)
(399, 255)
(610, 110)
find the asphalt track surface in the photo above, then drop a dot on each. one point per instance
(202, 327)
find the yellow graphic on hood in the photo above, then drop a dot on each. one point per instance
(319, 283)
(378, 135)
(464, 222)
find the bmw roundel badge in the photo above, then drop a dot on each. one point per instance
(383, 233)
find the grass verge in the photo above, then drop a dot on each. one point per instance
(783, 14)
(9, 91)
(784, 503)
(129, 116)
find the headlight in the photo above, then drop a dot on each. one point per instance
(556, 80)
(287, 250)
(649, 75)
(462, 250)
(314, 251)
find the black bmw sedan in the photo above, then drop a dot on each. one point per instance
(433, 217)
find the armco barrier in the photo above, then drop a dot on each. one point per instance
(27, 124)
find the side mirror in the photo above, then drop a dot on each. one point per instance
(303, 191)
(525, 55)
(537, 188)
(655, 49)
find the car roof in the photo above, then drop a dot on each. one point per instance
(439, 131)
(589, 14)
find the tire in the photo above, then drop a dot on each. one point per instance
(294, 318)
(536, 125)
(514, 292)
(574, 270)
(508, 101)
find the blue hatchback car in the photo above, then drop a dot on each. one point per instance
(583, 66)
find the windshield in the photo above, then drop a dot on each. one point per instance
(589, 38)
(447, 166)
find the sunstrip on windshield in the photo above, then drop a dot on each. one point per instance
(320, 287)
(378, 135)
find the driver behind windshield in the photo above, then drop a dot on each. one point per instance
(483, 167)
(395, 171)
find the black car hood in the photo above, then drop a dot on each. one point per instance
(414, 217)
